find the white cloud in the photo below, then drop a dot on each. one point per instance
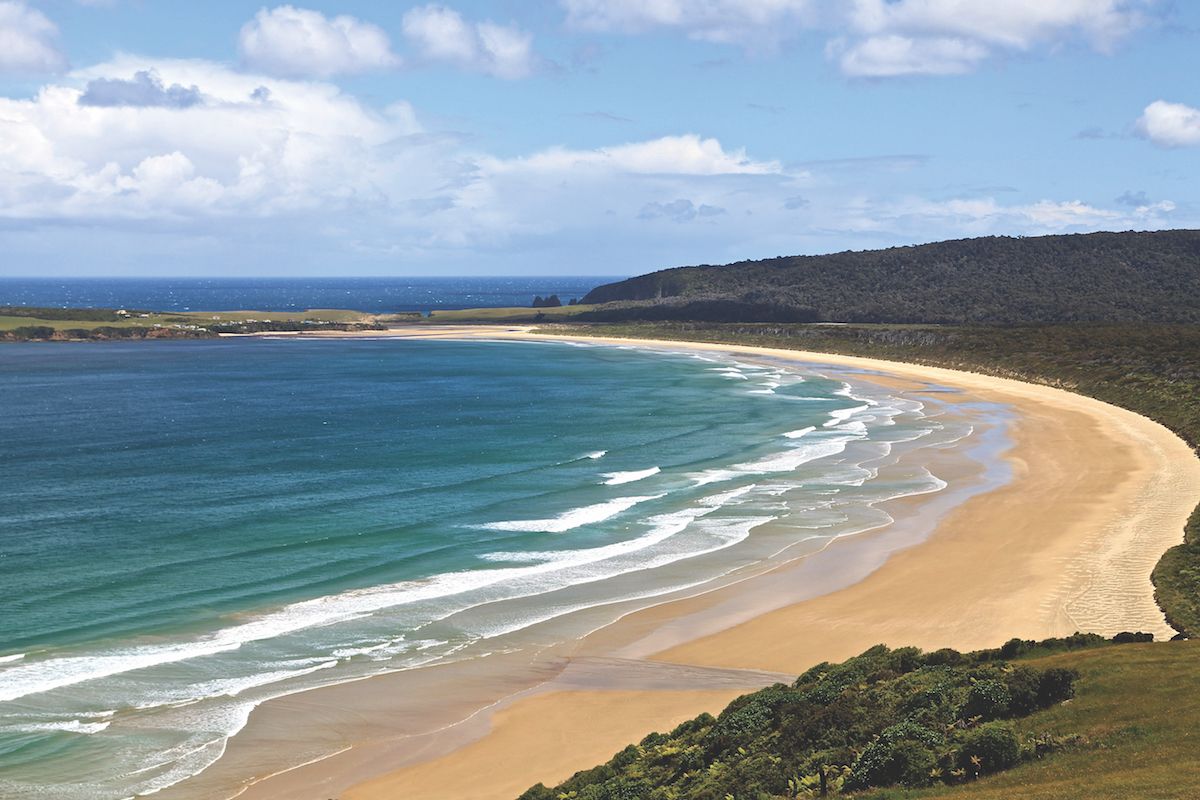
(30, 44)
(939, 37)
(1011, 23)
(304, 160)
(289, 42)
(891, 55)
(1169, 124)
(256, 147)
(266, 169)
(679, 155)
(879, 38)
(441, 34)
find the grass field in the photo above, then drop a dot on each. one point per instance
(1139, 712)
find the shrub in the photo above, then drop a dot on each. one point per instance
(990, 748)
(1056, 685)
(901, 754)
(538, 792)
(988, 699)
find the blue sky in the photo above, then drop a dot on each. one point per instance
(595, 137)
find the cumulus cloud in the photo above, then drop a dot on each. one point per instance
(441, 34)
(289, 42)
(306, 160)
(879, 38)
(145, 90)
(30, 44)
(1169, 124)
(255, 147)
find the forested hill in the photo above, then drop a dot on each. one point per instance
(1094, 277)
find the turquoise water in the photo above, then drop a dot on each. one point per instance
(189, 528)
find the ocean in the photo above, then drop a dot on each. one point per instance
(371, 295)
(190, 528)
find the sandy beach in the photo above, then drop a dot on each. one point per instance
(1097, 494)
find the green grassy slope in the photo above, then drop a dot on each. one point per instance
(1140, 717)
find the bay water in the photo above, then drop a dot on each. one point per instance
(189, 528)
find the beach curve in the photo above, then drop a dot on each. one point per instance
(1098, 494)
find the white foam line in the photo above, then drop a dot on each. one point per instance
(838, 416)
(618, 478)
(735, 531)
(53, 673)
(569, 520)
(784, 461)
(74, 726)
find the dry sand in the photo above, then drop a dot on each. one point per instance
(1097, 495)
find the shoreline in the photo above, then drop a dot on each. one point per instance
(1087, 538)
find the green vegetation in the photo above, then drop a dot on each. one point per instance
(508, 316)
(1177, 580)
(1095, 277)
(934, 724)
(72, 314)
(20, 324)
(1152, 369)
(98, 333)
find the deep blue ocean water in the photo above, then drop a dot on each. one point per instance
(372, 295)
(188, 528)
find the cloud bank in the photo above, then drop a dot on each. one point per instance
(879, 38)
(228, 160)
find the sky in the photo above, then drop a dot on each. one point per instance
(589, 137)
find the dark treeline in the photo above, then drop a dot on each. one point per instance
(196, 329)
(1096, 277)
(103, 333)
(291, 326)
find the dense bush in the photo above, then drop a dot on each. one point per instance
(885, 717)
(991, 748)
